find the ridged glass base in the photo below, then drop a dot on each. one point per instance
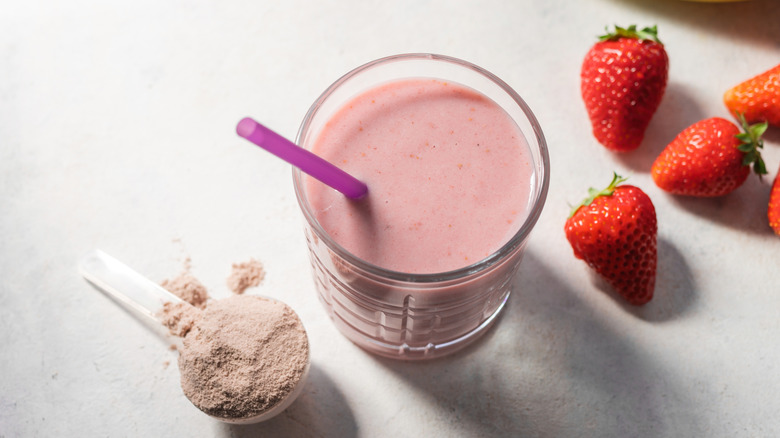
(406, 320)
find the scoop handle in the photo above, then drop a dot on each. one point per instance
(125, 285)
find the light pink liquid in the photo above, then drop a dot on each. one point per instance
(449, 176)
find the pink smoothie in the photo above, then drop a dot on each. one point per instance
(449, 176)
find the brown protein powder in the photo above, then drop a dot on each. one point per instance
(188, 288)
(179, 318)
(245, 275)
(243, 356)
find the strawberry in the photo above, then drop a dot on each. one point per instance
(710, 158)
(614, 231)
(773, 213)
(623, 79)
(758, 98)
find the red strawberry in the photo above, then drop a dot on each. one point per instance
(758, 98)
(709, 158)
(773, 213)
(614, 231)
(623, 80)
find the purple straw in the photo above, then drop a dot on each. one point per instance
(301, 158)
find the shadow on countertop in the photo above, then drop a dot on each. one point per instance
(744, 209)
(756, 21)
(556, 366)
(675, 292)
(772, 139)
(678, 110)
(320, 411)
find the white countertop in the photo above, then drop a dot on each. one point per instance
(117, 132)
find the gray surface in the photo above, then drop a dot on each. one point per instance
(116, 131)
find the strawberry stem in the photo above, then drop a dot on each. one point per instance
(595, 193)
(647, 33)
(751, 144)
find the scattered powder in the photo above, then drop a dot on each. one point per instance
(179, 318)
(187, 263)
(188, 288)
(243, 356)
(245, 275)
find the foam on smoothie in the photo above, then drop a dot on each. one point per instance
(449, 175)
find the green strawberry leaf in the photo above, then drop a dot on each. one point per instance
(749, 158)
(595, 193)
(751, 143)
(759, 166)
(758, 129)
(745, 147)
(647, 33)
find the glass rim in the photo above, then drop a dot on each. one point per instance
(497, 256)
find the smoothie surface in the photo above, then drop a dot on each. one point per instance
(449, 176)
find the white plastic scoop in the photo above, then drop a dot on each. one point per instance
(147, 299)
